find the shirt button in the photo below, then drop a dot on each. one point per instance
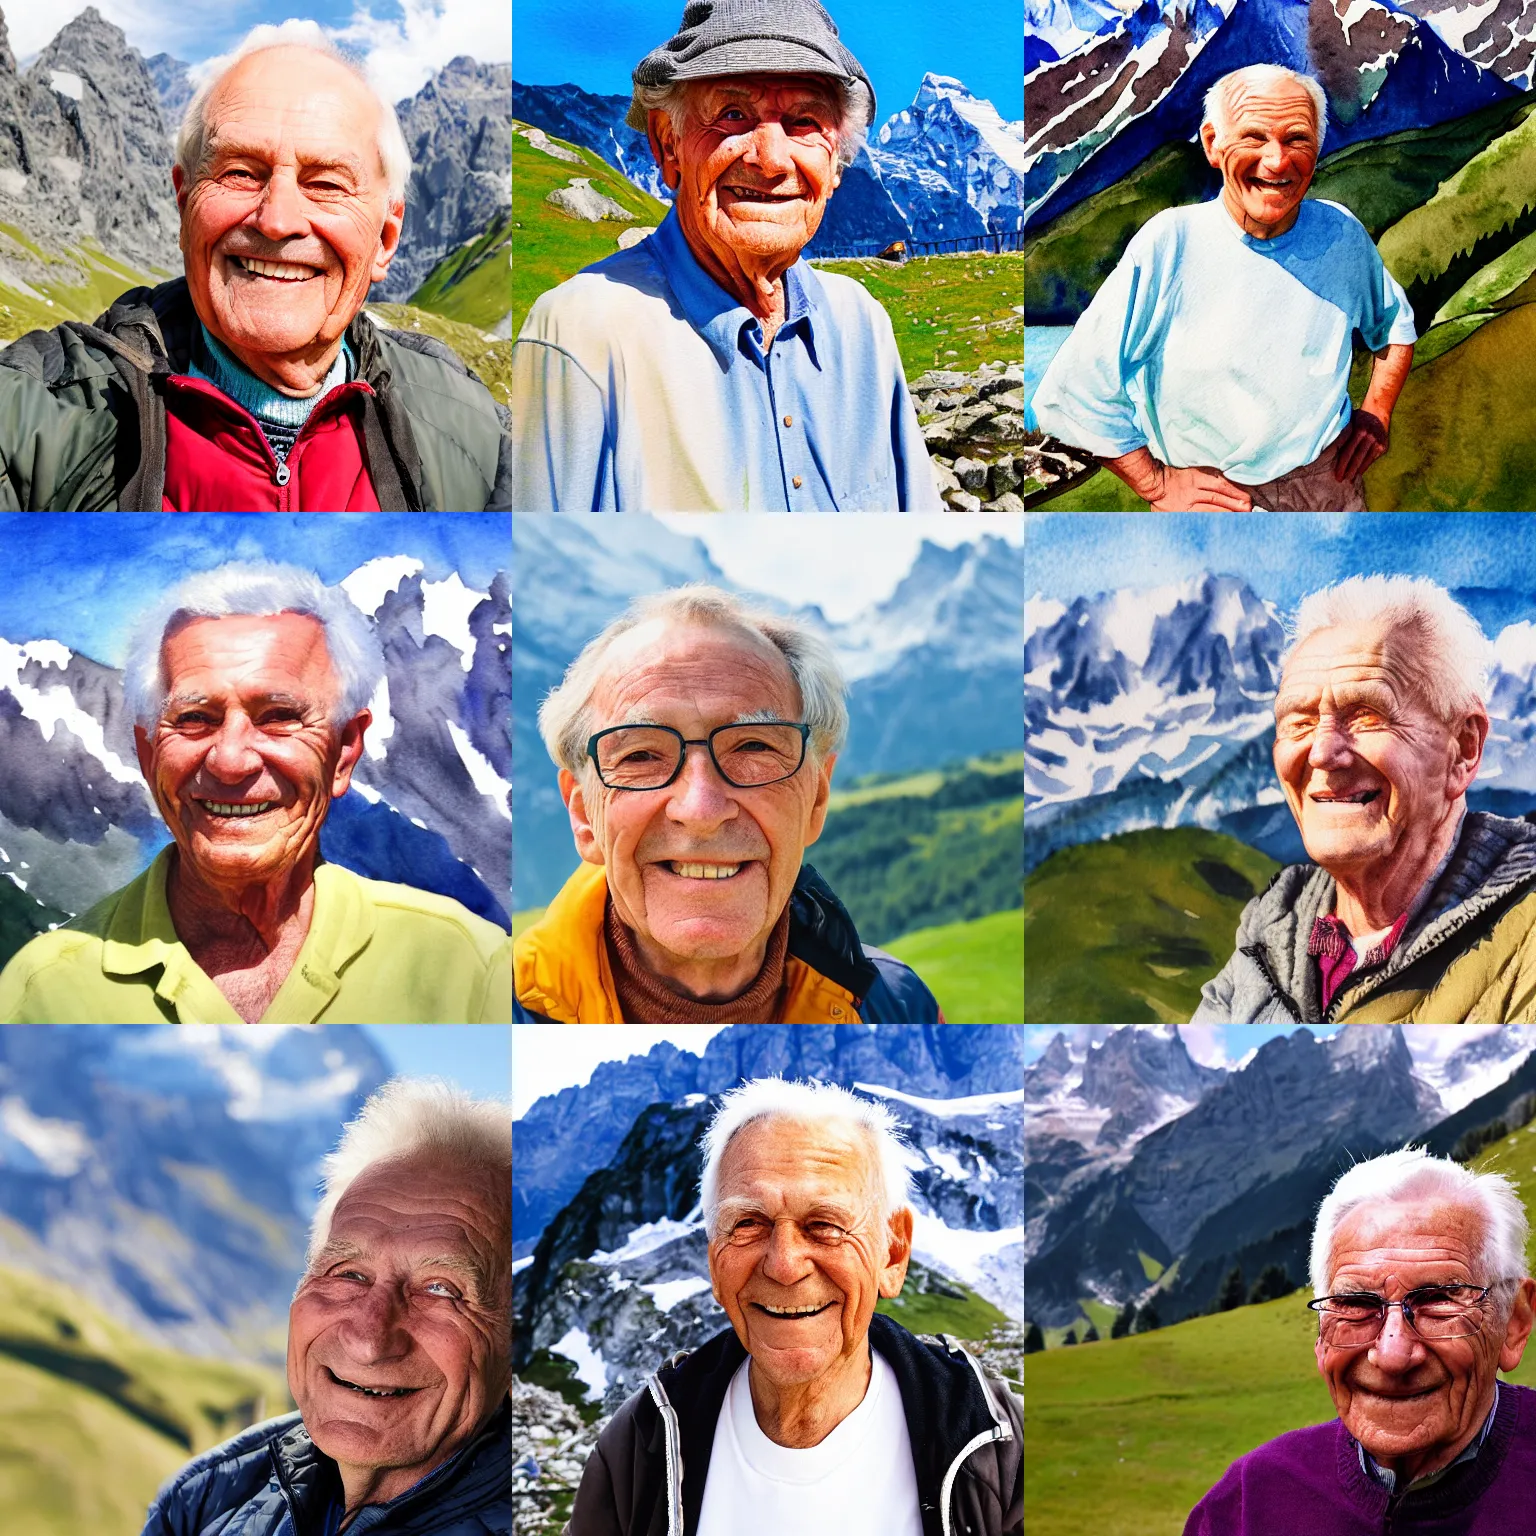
(789, 421)
(797, 482)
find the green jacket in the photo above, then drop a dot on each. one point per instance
(82, 414)
(375, 953)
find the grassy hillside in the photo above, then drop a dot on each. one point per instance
(548, 245)
(975, 969)
(473, 284)
(948, 311)
(39, 289)
(93, 1419)
(933, 1303)
(1126, 931)
(491, 360)
(1122, 1437)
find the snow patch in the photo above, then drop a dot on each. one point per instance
(481, 774)
(445, 610)
(67, 83)
(667, 1293)
(646, 1239)
(519, 1265)
(374, 580)
(591, 1371)
(973, 1104)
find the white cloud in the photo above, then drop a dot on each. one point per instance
(404, 52)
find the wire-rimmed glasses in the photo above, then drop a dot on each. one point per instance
(745, 756)
(1353, 1319)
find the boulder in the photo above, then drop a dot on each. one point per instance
(971, 473)
(542, 142)
(1007, 502)
(581, 201)
(1005, 477)
(963, 501)
(629, 237)
(944, 477)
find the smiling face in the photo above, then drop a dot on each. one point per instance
(754, 168)
(244, 760)
(1414, 1403)
(287, 220)
(399, 1337)
(1266, 156)
(1371, 774)
(699, 871)
(798, 1256)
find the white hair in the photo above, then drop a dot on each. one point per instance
(855, 107)
(394, 156)
(408, 1116)
(1451, 656)
(1258, 77)
(808, 1103)
(1410, 1175)
(257, 589)
(565, 716)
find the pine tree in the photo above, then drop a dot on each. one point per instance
(1123, 1320)
(1271, 1285)
(1146, 1319)
(1071, 1338)
(1092, 1335)
(1034, 1340)
(1231, 1293)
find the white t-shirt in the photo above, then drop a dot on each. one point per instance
(858, 1482)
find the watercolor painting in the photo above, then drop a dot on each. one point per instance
(1153, 812)
(1285, 246)
(430, 802)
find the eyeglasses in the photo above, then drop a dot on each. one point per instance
(745, 756)
(1355, 1318)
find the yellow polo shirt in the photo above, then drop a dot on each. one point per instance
(376, 953)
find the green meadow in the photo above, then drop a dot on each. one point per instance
(975, 969)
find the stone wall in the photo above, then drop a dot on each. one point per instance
(973, 424)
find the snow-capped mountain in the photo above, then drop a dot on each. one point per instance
(169, 1173)
(1154, 708)
(1139, 81)
(1500, 35)
(618, 1277)
(595, 122)
(429, 804)
(934, 669)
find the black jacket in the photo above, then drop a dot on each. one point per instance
(647, 1475)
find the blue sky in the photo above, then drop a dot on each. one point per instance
(1069, 555)
(596, 43)
(403, 41)
(1217, 1045)
(81, 578)
(478, 1057)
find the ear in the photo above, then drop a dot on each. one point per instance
(351, 752)
(389, 240)
(893, 1273)
(1469, 737)
(659, 130)
(145, 754)
(1208, 143)
(819, 806)
(1518, 1329)
(587, 844)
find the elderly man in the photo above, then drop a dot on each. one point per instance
(709, 368)
(694, 904)
(254, 382)
(1422, 1297)
(1415, 908)
(811, 1412)
(399, 1343)
(250, 686)
(1211, 370)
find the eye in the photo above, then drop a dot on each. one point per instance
(441, 1288)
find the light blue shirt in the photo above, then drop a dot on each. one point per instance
(1215, 349)
(641, 385)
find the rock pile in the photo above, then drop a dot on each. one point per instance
(583, 201)
(1044, 461)
(550, 1446)
(972, 423)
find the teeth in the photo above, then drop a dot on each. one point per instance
(370, 1392)
(788, 1311)
(278, 269)
(704, 871)
(229, 808)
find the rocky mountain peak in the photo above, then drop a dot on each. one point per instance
(7, 58)
(1049, 1070)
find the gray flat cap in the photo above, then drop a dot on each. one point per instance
(749, 37)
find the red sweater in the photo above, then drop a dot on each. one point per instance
(216, 459)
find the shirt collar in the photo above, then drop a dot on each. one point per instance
(1388, 1480)
(715, 314)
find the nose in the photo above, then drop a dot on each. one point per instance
(1330, 746)
(768, 149)
(373, 1328)
(1274, 158)
(233, 755)
(786, 1261)
(699, 796)
(280, 215)
(1397, 1346)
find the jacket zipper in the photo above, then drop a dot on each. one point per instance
(999, 1431)
(674, 1456)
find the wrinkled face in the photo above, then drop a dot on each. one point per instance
(742, 848)
(399, 1337)
(286, 222)
(1267, 155)
(798, 1256)
(1403, 1396)
(755, 167)
(1368, 770)
(244, 760)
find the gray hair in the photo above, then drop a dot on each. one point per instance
(808, 1103)
(257, 589)
(852, 99)
(565, 716)
(1218, 100)
(1451, 656)
(1411, 1174)
(408, 1116)
(394, 156)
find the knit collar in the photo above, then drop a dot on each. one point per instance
(217, 365)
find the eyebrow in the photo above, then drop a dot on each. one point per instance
(342, 1251)
(744, 1205)
(234, 149)
(1363, 692)
(195, 700)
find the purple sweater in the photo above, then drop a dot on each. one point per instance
(1310, 1483)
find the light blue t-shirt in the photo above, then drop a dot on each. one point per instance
(1215, 349)
(641, 385)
